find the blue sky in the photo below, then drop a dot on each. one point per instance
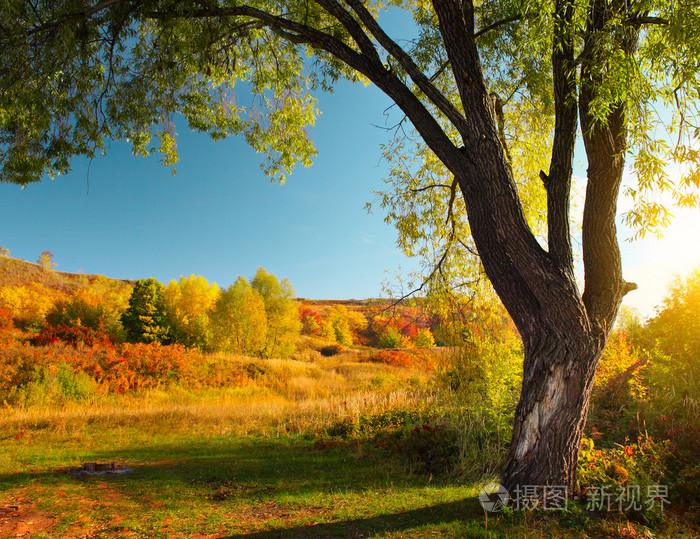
(219, 216)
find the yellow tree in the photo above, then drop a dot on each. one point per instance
(283, 325)
(238, 320)
(187, 304)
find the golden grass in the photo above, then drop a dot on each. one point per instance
(282, 397)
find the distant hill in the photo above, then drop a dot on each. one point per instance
(17, 272)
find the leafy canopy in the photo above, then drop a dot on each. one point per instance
(239, 321)
(77, 73)
(283, 324)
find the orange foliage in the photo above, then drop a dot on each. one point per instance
(120, 368)
(405, 358)
(620, 365)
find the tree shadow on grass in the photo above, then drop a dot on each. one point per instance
(456, 513)
(222, 477)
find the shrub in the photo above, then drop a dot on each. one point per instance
(52, 385)
(432, 450)
(394, 358)
(72, 335)
(619, 388)
(331, 350)
(366, 427)
(311, 322)
(5, 319)
(79, 312)
(390, 338)
(427, 444)
(627, 474)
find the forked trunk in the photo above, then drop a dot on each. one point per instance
(551, 414)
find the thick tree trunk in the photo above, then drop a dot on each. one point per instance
(551, 414)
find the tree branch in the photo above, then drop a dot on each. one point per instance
(351, 25)
(81, 15)
(558, 181)
(456, 25)
(605, 144)
(477, 35)
(423, 83)
(383, 78)
(432, 186)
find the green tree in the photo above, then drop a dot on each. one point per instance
(187, 304)
(283, 325)
(239, 321)
(145, 319)
(76, 73)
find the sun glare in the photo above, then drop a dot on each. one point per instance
(653, 262)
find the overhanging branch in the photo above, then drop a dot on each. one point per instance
(407, 63)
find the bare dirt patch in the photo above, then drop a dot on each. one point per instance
(264, 512)
(23, 521)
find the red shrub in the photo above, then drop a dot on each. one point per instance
(311, 322)
(5, 319)
(73, 335)
(394, 358)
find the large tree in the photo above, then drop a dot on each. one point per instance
(77, 72)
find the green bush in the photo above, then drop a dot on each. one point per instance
(428, 449)
(53, 385)
(390, 338)
(426, 442)
(76, 312)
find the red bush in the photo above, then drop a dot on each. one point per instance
(73, 335)
(5, 319)
(394, 358)
(310, 321)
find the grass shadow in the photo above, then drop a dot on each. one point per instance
(456, 512)
(241, 487)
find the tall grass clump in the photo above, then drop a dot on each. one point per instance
(479, 387)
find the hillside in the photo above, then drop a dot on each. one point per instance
(17, 272)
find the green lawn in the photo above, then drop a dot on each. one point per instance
(187, 482)
(221, 486)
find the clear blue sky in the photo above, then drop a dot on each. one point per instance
(219, 216)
